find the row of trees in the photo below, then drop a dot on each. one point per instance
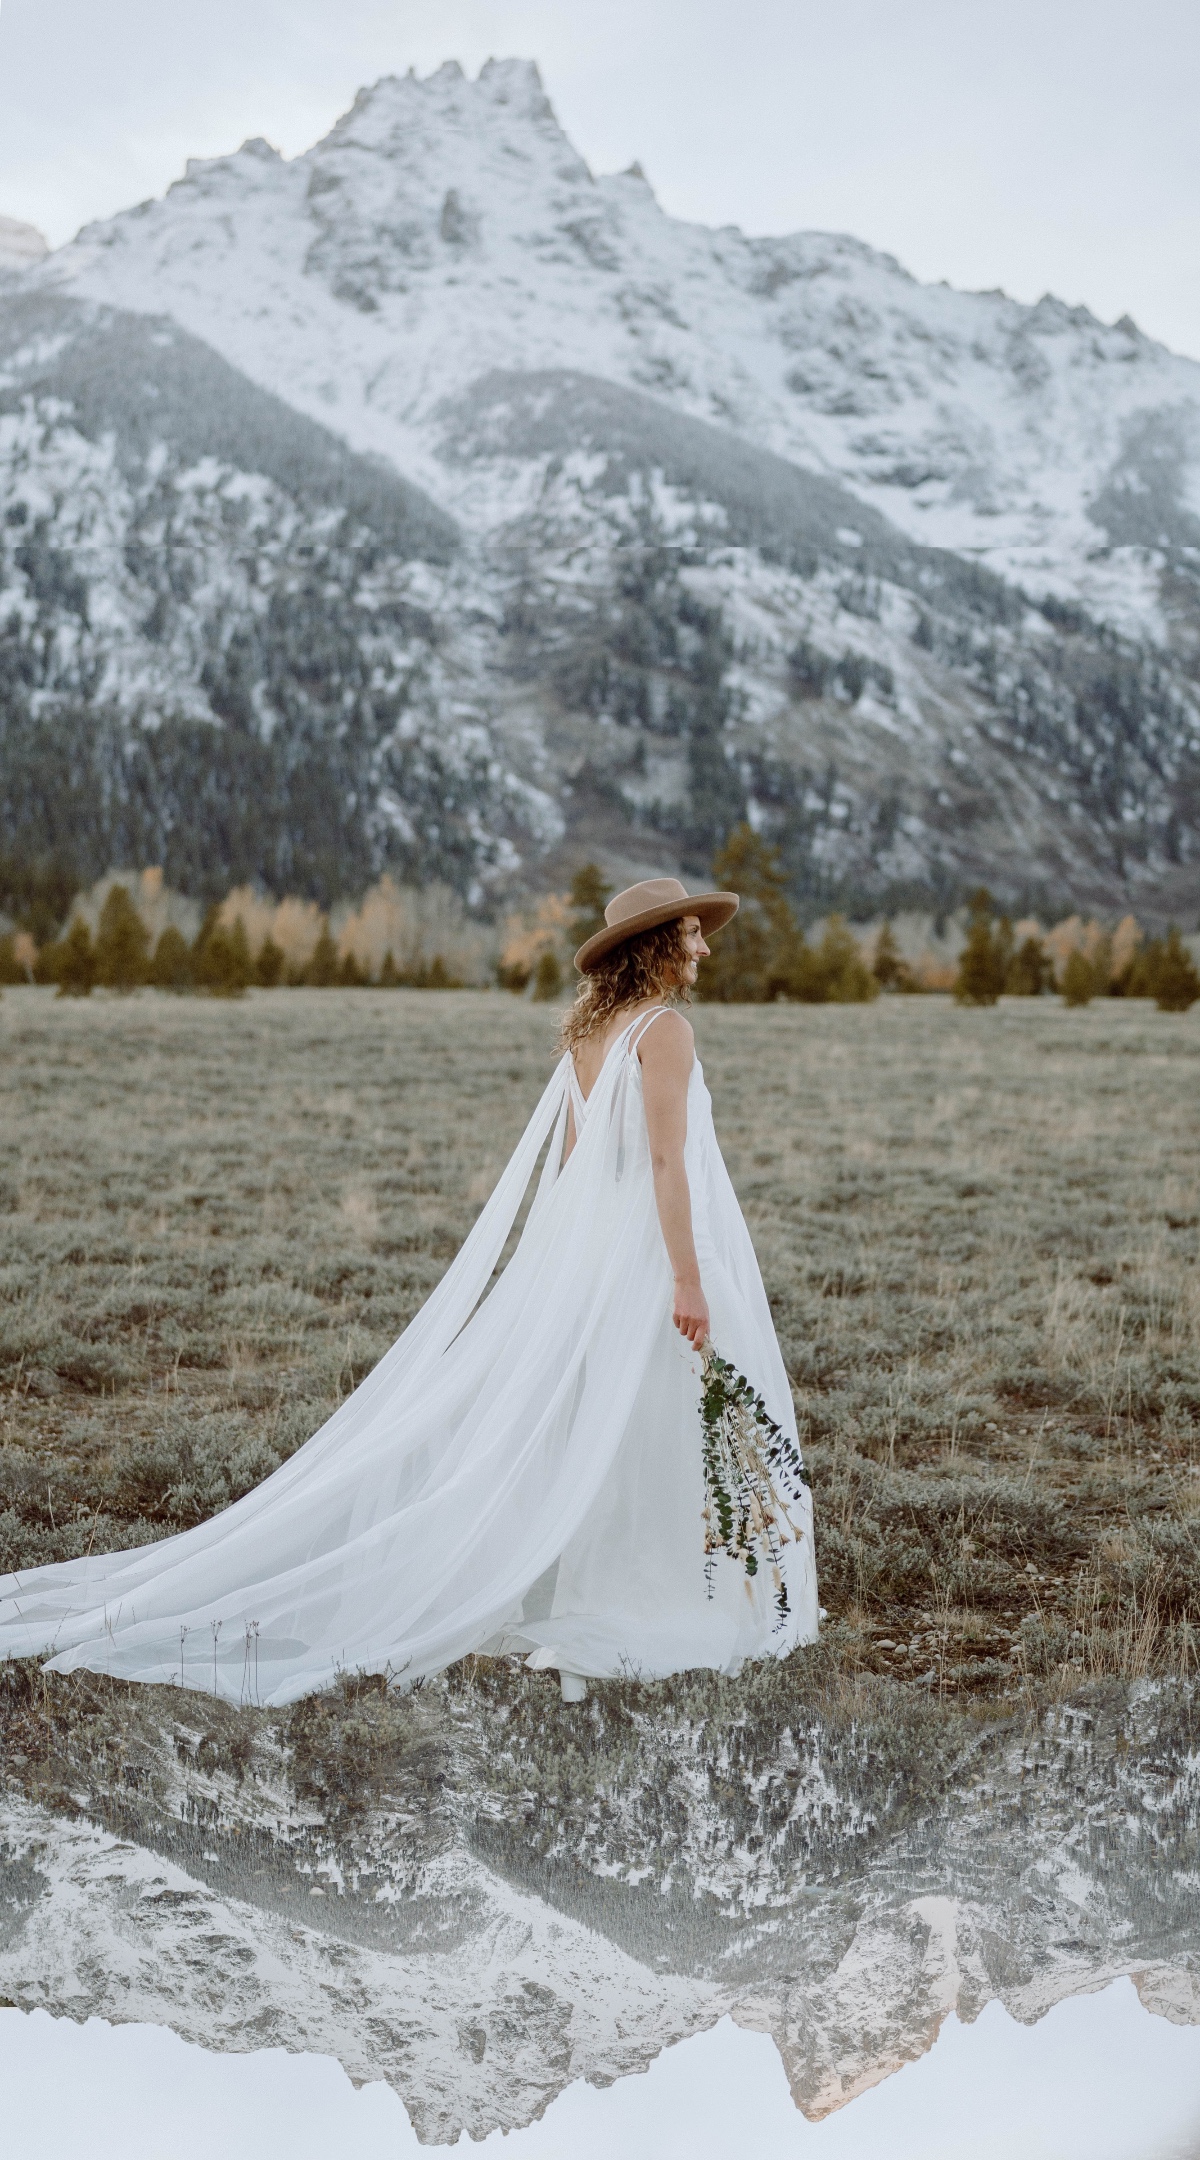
(217, 961)
(993, 965)
(762, 955)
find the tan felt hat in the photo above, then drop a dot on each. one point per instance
(643, 907)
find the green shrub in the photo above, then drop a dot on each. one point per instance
(122, 943)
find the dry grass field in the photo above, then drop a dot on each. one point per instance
(979, 1231)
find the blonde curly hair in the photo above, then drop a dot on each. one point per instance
(649, 965)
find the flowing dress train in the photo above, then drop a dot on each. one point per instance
(521, 1471)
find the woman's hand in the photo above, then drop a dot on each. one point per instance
(691, 1311)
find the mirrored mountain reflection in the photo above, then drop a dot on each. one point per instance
(482, 1895)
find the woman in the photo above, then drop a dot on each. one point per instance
(522, 1470)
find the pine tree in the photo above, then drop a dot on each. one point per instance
(77, 961)
(847, 978)
(1176, 981)
(981, 964)
(548, 977)
(389, 974)
(889, 967)
(1078, 980)
(756, 956)
(322, 970)
(171, 965)
(11, 970)
(122, 943)
(1030, 971)
(268, 965)
(589, 895)
(221, 957)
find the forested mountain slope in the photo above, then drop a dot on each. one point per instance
(692, 525)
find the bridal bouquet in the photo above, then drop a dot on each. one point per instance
(753, 1474)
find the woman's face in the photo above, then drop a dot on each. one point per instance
(695, 947)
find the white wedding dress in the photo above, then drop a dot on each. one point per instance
(520, 1472)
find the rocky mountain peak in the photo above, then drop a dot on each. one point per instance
(900, 502)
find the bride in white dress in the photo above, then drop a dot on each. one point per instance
(522, 1471)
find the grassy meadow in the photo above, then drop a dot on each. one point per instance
(979, 1231)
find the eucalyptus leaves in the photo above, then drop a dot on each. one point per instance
(753, 1474)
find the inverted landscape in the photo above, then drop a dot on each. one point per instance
(405, 529)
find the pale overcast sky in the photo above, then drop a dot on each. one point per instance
(1033, 144)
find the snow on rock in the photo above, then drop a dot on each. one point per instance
(445, 224)
(20, 245)
(480, 1958)
(483, 2027)
(699, 527)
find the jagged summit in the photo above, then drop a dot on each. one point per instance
(867, 481)
(444, 224)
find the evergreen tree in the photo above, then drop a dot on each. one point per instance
(1176, 981)
(122, 943)
(889, 967)
(76, 972)
(11, 970)
(389, 974)
(847, 978)
(1078, 981)
(350, 975)
(756, 956)
(322, 970)
(221, 957)
(589, 896)
(268, 965)
(1141, 974)
(1030, 971)
(171, 965)
(548, 977)
(981, 966)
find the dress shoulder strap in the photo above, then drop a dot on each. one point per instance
(642, 1026)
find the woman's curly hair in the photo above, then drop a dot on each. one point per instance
(648, 965)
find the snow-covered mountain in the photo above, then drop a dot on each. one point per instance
(20, 245)
(910, 575)
(844, 1899)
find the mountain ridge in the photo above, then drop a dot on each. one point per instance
(917, 571)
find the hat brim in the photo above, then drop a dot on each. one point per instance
(714, 909)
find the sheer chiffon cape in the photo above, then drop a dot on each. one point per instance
(520, 1471)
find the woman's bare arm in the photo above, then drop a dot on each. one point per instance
(666, 1051)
